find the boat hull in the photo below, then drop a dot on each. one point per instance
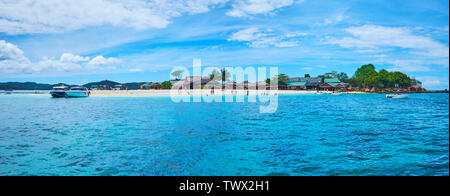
(397, 96)
(77, 93)
(58, 94)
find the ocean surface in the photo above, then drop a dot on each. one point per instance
(308, 135)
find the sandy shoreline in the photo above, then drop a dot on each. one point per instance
(166, 93)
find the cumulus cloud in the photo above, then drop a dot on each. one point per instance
(251, 7)
(13, 60)
(11, 57)
(53, 16)
(68, 57)
(408, 66)
(135, 70)
(256, 38)
(376, 37)
(49, 16)
(431, 82)
(336, 18)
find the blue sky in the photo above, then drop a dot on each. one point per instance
(128, 41)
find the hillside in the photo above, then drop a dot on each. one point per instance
(27, 86)
(39, 86)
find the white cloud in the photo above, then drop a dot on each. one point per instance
(433, 82)
(376, 37)
(408, 66)
(334, 19)
(49, 16)
(256, 38)
(376, 56)
(135, 70)
(249, 34)
(68, 57)
(10, 51)
(100, 60)
(306, 68)
(11, 57)
(245, 8)
(53, 16)
(13, 60)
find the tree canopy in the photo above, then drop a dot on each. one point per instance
(367, 77)
(225, 75)
(282, 79)
(166, 85)
(177, 73)
(215, 75)
(343, 77)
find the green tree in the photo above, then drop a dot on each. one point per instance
(176, 74)
(215, 75)
(225, 76)
(401, 79)
(156, 86)
(307, 76)
(166, 85)
(343, 77)
(281, 78)
(367, 77)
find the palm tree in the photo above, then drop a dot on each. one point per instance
(177, 74)
(215, 75)
(225, 76)
(282, 80)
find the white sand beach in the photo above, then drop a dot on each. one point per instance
(156, 93)
(166, 93)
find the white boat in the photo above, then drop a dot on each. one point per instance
(59, 91)
(397, 96)
(336, 94)
(78, 91)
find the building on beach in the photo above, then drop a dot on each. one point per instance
(151, 86)
(196, 82)
(119, 87)
(304, 83)
(329, 84)
(99, 87)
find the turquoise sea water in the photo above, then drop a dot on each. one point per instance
(308, 135)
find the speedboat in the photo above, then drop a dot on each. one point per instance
(59, 91)
(78, 91)
(397, 96)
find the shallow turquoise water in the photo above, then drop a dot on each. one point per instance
(308, 135)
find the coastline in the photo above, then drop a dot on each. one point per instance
(167, 93)
(197, 92)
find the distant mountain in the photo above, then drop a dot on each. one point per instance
(109, 84)
(38, 86)
(28, 86)
(106, 83)
(133, 85)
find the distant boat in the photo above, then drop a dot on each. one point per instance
(59, 91)
(78, 91)
(337, 94)
(397, 96)
(8, 92)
